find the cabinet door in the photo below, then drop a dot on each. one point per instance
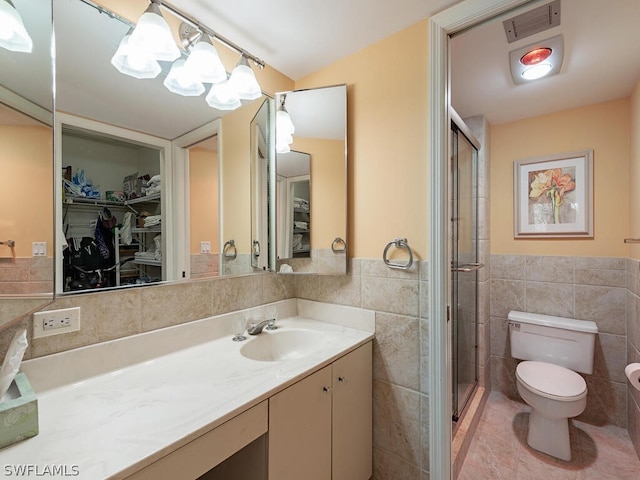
(352, 415)
(300, 430)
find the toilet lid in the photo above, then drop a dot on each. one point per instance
(550, 379)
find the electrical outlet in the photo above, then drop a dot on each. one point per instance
(39, 249)
(56, 322)
(205, 247)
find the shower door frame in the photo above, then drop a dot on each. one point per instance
(460, 129)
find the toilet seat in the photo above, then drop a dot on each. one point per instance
(551, 381)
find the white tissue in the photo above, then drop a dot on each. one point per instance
(632, 371)
(286, 268)
(12, 361)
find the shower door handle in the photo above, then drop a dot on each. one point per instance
(468, 267)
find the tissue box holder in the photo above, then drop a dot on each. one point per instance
(19, 416)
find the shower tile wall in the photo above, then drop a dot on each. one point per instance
(586, 288)
(633, 348)
(482, 130)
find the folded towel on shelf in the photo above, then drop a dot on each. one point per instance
(152, 220)
(301, 225)
(152, 190)
(155, 180)
(300, 203)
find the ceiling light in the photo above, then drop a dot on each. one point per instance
(153, 35)
(181, 81)
(204, 62)
(535, 56)
(13, 34)
(537, 60)
(223, 96)
(244, 81)
(536, 71)
(133, 61)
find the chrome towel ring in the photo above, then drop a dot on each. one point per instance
(229, 250)
(399, 243)
(335, 244)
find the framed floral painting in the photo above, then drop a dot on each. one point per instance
(553, 196)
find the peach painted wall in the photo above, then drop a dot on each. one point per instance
(634, 174)
(328, 190)
(203, 203)
(26, 195)
(386, 140)
(605, 128)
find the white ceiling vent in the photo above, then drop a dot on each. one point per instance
(532, 22)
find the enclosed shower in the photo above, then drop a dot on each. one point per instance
(464, 265)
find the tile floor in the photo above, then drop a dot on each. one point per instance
(499, 449)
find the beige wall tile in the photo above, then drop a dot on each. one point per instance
(396, 352)
(396, 425)
(506, 295)
(391, 295)
(604, 305)
(550, 299)
(388, 466)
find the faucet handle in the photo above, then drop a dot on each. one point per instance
(271, 324)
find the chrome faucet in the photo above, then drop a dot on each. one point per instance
(256, 328)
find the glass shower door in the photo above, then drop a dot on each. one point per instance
(464, 271)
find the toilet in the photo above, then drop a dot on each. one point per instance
(553, 349)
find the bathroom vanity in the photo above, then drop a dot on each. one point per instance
(176, 402)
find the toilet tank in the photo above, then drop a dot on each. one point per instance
(545, 338)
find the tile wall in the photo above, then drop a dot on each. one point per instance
(586, 288)
(204, 265)
(400, 356)
(633, 348)
(26, 275)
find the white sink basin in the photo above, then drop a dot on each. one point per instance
(280, 345)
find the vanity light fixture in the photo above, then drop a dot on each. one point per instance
(243, 80)
(13, 34)
(133, 61)
(223, 96)
(181, 81)
(153, 35)
(203, 63)
(537, 60)
(151, 41)
(284, 128)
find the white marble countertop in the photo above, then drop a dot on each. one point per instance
(114, 423)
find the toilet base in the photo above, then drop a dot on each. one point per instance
(549, 435)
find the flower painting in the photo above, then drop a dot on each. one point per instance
(553, 196)
(549, 190)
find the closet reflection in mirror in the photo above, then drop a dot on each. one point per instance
(26, 161)
(101, 101)
(311, 181)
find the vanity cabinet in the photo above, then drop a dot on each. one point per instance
(321, 427)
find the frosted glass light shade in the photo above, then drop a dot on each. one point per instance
(284, 123)
(182, 82)
(13, 34)
(223, 96)
(133, 61)
(153, 36)
(205, 64)
(244, 81)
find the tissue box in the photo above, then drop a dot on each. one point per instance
(19, 414)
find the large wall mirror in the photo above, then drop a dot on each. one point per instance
(118, 135)
(311, 181)
(26, 153)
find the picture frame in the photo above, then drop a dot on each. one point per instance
(553, 196)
